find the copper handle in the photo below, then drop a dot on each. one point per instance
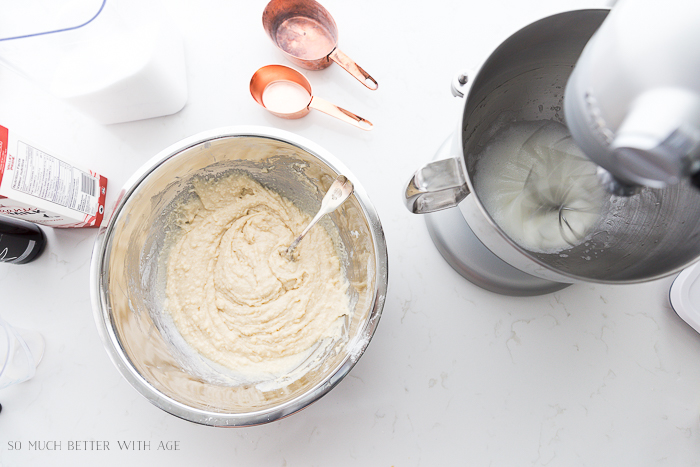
(339, 113)
(353, 68)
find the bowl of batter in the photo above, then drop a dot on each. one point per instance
(197, 304)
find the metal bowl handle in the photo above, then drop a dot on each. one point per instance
(435, 186)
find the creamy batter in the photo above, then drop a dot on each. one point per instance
(232, 293)
(539, 187)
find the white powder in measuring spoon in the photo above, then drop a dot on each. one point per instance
(538, 186)
(285, 97)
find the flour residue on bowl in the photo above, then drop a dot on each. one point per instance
(232, 294)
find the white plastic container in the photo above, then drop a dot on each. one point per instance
(115, 60)
(685, 296)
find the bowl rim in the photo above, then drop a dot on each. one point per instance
(103, 318)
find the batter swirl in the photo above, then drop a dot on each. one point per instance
(232, 294)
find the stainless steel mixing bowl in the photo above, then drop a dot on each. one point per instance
(128, 275)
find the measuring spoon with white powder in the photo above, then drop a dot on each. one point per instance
(286, 93)
(340, 190)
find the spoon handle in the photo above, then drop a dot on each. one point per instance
(340, 113)
(313, 222)
(354, 69)
(340, 190)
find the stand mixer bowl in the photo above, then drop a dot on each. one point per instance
(644, 237)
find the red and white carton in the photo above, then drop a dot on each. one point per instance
(38, 187)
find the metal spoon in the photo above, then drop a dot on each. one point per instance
(340, 190)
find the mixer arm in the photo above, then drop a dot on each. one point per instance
(632, 102)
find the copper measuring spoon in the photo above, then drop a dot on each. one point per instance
(308, 36)
(286, 93)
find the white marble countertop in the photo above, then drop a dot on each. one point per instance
(592, 375)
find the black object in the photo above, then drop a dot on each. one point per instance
(695, 179)
(20, 241)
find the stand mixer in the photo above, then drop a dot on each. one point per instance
(648, 225)
(633, 100)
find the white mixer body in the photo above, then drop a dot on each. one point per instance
(633, 100)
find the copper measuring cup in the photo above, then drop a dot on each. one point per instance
(287, 93)
(308, 36)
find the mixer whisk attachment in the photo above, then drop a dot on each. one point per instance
(541, 189)
(563, 194)
(568, 233)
